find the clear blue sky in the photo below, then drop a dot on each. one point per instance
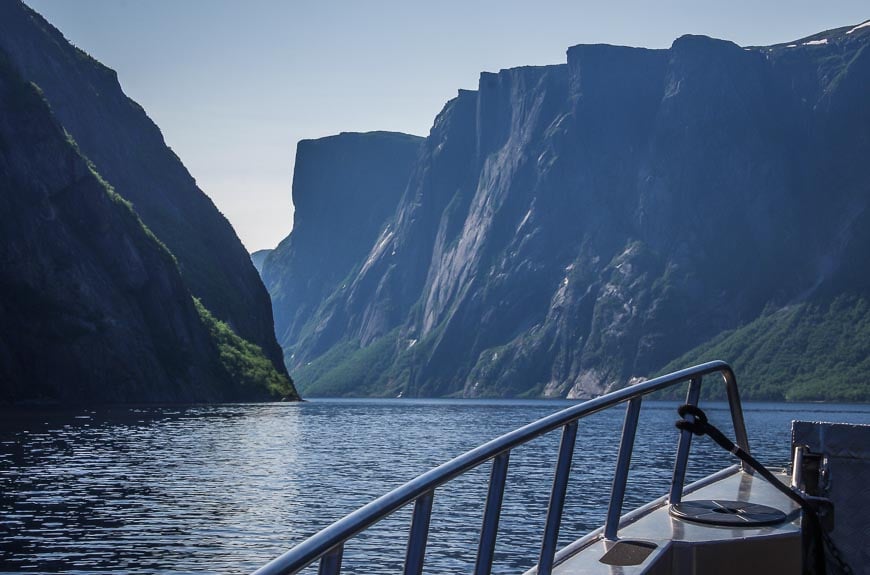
(234, 85)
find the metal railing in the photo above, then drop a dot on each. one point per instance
(328, 544)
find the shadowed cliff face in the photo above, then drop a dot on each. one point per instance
(128, 150)
(568, 228)
(258, 258)
(344, 189)
(93, 307)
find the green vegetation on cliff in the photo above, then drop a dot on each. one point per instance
(348, 368)
(810, 351)
(246, 363)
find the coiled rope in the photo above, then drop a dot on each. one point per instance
(820, 542)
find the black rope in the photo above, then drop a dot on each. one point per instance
(814, 560)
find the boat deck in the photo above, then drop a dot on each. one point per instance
(682, 546)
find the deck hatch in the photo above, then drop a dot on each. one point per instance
(727, 513)
(625, 553)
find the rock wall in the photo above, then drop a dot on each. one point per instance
(568, 228)
(93, 307)
(345, 187)
(128, 150)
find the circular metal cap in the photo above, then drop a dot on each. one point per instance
(727, 513)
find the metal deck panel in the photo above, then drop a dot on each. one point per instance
(687, 547)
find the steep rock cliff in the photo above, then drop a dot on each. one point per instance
(258, 258)
(344, 189)
(568, 228)
(128, 150)
(93, 307)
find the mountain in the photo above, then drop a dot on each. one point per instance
(128, 150)
(567, 229)
(258, 257)
(807, 351)
(344, 189)
(93, 306)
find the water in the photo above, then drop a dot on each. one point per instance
(223, 489)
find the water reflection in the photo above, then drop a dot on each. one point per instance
(224, 489)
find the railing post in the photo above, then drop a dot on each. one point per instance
(419, 534)
(620, 476)
(683, 446)
(736, 414)
(491, 515)
(330, 563)
(557, 499)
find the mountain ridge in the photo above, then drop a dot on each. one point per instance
(99, 305)
(94, 308)
(568, 228)
(129, 151)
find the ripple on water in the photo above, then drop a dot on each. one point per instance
(223, 489)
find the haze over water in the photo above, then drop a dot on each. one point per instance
(223, 489)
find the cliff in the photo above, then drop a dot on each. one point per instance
(568, 228)
(344, 189)
(93, 307)
(258, 258)
(128, 150)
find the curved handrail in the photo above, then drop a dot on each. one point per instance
(333, 537)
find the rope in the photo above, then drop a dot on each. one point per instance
(814, 560)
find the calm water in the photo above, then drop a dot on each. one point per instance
(223, 489)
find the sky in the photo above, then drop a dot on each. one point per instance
(234, 85)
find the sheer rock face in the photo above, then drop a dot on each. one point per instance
(258, 257)
(128, 150)
(567, 228)
(93, 308)
(345, 187)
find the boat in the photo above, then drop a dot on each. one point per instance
(742, 519)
